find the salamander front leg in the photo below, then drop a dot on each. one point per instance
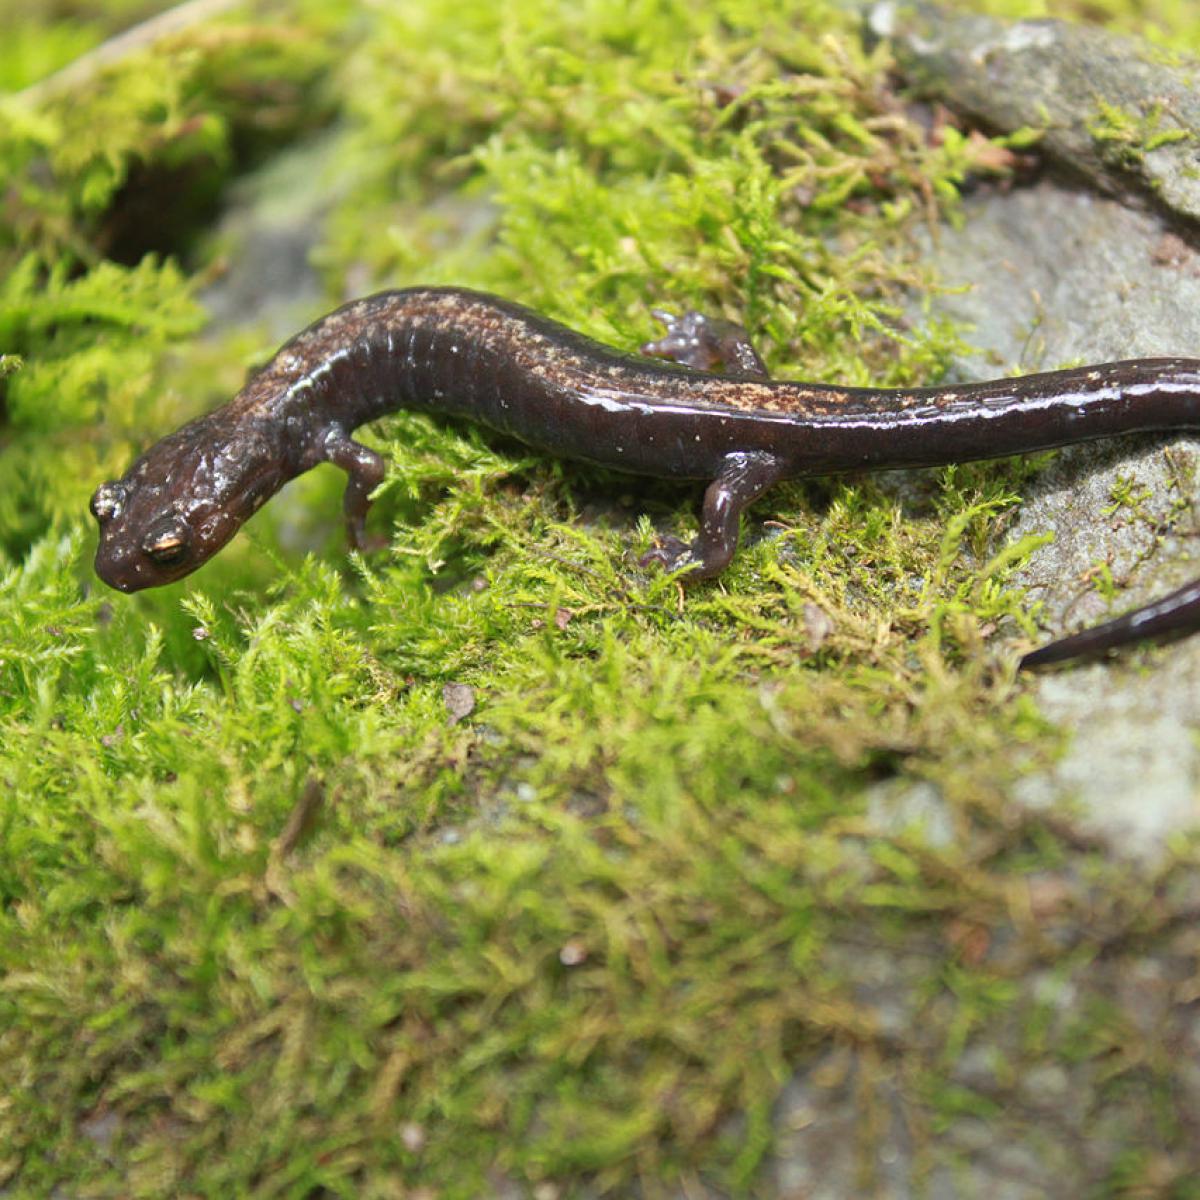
(706, 343)
(366, 470)
(742, 479)
(709, 343)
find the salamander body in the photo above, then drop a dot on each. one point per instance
(469, 355)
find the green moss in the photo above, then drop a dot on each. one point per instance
(274, 914)
(1128, 137)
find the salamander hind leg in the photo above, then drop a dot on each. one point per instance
(706, 343)
(366, 471)
(742, 479)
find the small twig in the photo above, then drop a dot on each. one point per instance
(301, 819)
(183, 16)
(566, 562)
(622, 592)
(586, 609)
(1036, 322)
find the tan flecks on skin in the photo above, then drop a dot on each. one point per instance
(571, 362)
(601, 375)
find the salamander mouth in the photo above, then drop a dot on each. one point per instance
(124, 570)
(115, 577)
(122, 585)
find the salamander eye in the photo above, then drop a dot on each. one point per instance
(107, 501)
(167, 543)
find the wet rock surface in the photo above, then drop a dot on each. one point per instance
(1057, 276)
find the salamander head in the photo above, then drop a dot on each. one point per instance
(179, 504)
(136, 550)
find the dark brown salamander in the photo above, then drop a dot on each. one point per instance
(466, 354)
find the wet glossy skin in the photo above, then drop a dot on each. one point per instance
(467, 354)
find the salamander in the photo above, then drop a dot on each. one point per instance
(466, 354)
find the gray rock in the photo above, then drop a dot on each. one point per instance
(1117, 110)
(1054, 277)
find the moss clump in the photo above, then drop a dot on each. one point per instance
(278, 914)
(1129, 137)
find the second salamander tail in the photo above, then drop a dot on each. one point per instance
(1175, 614)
